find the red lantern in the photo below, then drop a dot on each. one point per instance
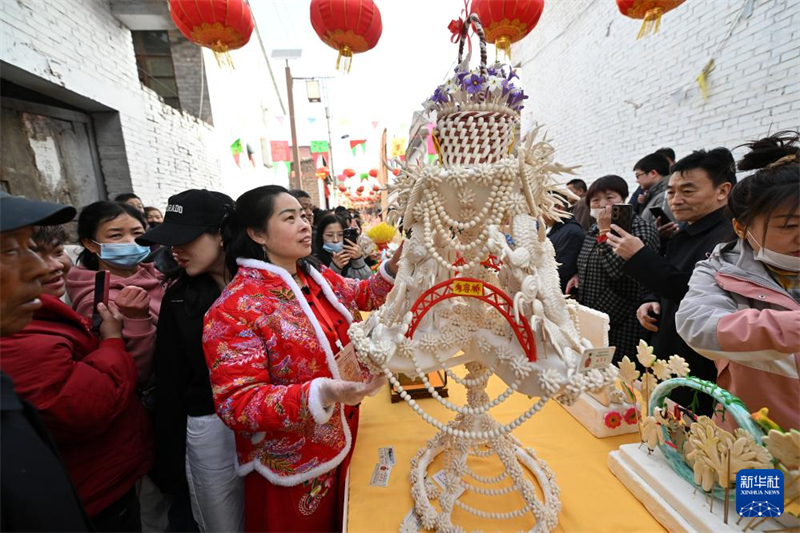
(342, 188)
(349, 26)
(349, 172)
(373, 173)
(342, 177)
(221, 25)
(648, 10)
(396, 171)
(507, 22)
(376, 188)
(360, 189)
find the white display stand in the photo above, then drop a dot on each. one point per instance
(671, 500)
(591, 414)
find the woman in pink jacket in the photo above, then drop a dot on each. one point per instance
(107, 231)
(743, 305)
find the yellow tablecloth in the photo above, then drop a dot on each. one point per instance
(592, 498)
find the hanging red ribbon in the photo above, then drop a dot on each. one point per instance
(456, 27)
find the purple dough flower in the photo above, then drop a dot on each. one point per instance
(515, 99)
(439, 96)
(474, 83)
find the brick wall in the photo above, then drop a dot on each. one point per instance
(607, 99)
(144, 144)
(187, 60)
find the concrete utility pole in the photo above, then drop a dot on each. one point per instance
(294, 181)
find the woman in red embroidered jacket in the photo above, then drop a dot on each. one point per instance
(270, 341)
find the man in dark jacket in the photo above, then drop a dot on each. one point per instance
(36, 493)
(567, 238)
(697, 193)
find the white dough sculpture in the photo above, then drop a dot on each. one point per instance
(463, 286)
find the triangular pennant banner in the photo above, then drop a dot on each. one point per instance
(280, 119)
(311, 120)
(318, 147)
(374, 124)
(280, 150)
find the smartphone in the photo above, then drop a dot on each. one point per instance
(622, 216)
(351, 235)
(101, 279)
(660, 213)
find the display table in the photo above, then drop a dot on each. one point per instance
(592, 498)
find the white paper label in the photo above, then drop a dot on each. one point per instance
(411, 523)
(386, 456)
(380, 475)
(596, 358)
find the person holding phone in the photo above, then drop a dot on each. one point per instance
(108, 232)
(340, 254)
(84, 388)
(742, 309)
(698, 194)
(600, 282)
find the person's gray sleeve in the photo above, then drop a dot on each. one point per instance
(358, 269)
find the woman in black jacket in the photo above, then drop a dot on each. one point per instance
(193, 446)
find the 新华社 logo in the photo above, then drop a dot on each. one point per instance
(759, 492)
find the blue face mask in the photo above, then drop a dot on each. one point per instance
(122, 254)
(333, 247)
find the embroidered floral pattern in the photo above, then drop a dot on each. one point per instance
(264, 353)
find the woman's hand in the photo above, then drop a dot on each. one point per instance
(353, 250)
(572, 284)
(624, 244)
(392, 265)
(645, 315)
(348, 392)
(133, 302)
(604, 219)
(341, 259)
(111, 326)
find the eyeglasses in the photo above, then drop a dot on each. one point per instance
(639, 175)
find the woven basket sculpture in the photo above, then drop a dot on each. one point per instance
(470, 134)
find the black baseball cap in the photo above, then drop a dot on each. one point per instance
(188, 215)
(17, 212)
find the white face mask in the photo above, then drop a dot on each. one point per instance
(782, 261)
(596, 212)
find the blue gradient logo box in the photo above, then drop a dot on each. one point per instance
(759, 492)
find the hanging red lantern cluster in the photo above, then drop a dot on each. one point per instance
(349, 26)
(221, 25)
(649, 11)
(507, 21)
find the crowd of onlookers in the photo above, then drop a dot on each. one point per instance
(223, 320)
(707, 267)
